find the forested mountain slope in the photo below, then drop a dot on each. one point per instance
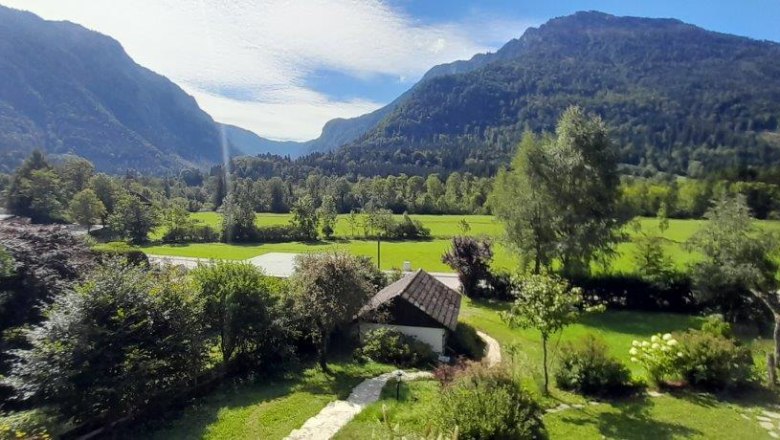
(69, 90)
(677, 97)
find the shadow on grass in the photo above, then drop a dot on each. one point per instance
(194, 418)
(640, 323)
(633, 420)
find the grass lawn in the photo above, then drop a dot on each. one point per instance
(425, 254)
(683, 415)
(262, 409)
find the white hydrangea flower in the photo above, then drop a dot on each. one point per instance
(655, 346)
(635, 343)
(671, 342)
(633, 352)
(654, 339)
(634, 360)
(667, 336)
(645, 344)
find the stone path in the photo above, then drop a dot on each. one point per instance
(337, 414)
(493, 349)
(770, 420)
(333, 417)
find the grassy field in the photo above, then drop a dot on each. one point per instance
(262, 409)
(427, 254)
(683, 415)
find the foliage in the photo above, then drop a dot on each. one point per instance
(586, 367)
(465, 341)
(409, 229)
(107, 345)
(547, 304)
(304, 217)
(45, 261)
(86, 208)
(559, 202)
(390, 346)
(238, 216)
(716, 326)
(329, 290)
(133, 218)
(327, 216)
(470, 258)
(714, 362)
(653, 264)
(241, 309)
(661, 357)
(739, 265)
(630, 292)
(36, 191)
(488, 403)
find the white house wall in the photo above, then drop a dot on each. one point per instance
(435, 337)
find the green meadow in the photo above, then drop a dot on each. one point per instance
(426, 254)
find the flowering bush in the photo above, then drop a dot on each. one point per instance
(660, 356)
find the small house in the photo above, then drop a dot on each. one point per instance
(417, 305)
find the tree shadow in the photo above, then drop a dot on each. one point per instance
(634, 420)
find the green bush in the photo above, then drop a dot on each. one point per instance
(711, 362)
(715, 325)
(393, 347)
(130, 255)
(488, 403)
(191, 234)
(587, 368)
(465, 341)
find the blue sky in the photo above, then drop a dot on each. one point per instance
(283, 68)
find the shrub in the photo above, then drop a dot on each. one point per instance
(280, 234)
(661, 357)
(488, 403)
(465, 341)
(409, 229)
(501, 286)
(713, 362)
(126, 254)
(446, 373)
(393, 347)
(114, 345)
(191, 234)
(715, 325)
(587, 368)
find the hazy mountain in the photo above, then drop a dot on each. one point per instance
(69, 90)
(247, 142)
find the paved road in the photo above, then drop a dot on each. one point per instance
(277, 264)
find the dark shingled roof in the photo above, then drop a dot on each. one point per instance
(424, 292)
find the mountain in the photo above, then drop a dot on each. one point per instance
(69, 90)
(247, 142)
(676, 97)
(342, 131)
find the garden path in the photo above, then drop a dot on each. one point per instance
(337, 414)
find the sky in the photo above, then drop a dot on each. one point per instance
(282, 68)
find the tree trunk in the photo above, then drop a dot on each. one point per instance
(544, 363)
(776, 335)
(322, 353)
(772, 302)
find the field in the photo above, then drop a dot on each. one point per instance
(678, 415)
(426, 254)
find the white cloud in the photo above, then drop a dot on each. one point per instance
(265, 49)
